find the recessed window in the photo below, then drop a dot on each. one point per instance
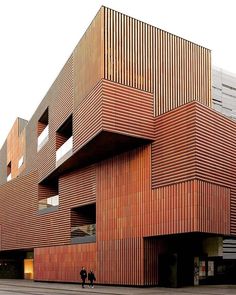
(64, 141)
(83, 224)
(43, 130)
(9, 171)
(48, 197)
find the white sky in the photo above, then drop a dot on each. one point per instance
(38, 36)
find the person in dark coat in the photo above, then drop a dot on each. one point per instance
(83, 275)
(91, 278)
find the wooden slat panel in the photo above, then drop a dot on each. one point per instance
(120, 221)
(17, 212)
(49, 265)
(194, 141)
(59, 101)
(89, 59)
(127, 110)
(175, 70)
(15, 148)
(113, 107)
(87, 118)
(173, 151)
(117, 260)
(78, 188)
(187, 207)
(215, 152)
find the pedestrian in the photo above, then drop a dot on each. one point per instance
(91, 278)
(83, 275)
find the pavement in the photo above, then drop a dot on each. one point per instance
(26, 287)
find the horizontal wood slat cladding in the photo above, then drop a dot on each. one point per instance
(59, 101)
(113, 107)
(89, 59)
(3, 163)
(49, 265)
(87, 118)
(141, 56)
(195, 141)
(28, 228)
(18, 212)
(46, 191)
(15, 144)
(127, 110)
(128, 209)
(173, 151)
(216, 152)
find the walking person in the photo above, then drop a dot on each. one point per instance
(91, 278)
(83, 275)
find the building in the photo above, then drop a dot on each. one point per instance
(124, 167)
(224, 92)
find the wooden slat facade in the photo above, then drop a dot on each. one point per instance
(195, 142)
(127, 81)
(49, 265)
(113, 107)
(139, 55)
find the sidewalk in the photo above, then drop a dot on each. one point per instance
(30, 287)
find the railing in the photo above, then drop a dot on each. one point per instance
(88, 230)
(43, 137)
(64, 149)
(48, 202)
(9, 177)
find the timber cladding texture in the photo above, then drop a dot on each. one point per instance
(21, 224)
(107, 81)
(195, 142)
(175, 70)
(66, 269)
(127, 51)
(115, 108)
(59, 102)
(130, 79)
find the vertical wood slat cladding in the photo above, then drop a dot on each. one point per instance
(195, 141)
(113, 107)
(173, 151)
(144, 57)
(89, 59)
(49, 265)
(128, 53)
(152, 249)
(128, 209)
(120, 261)
(123, 184)
(188, 207)
(78, 188)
